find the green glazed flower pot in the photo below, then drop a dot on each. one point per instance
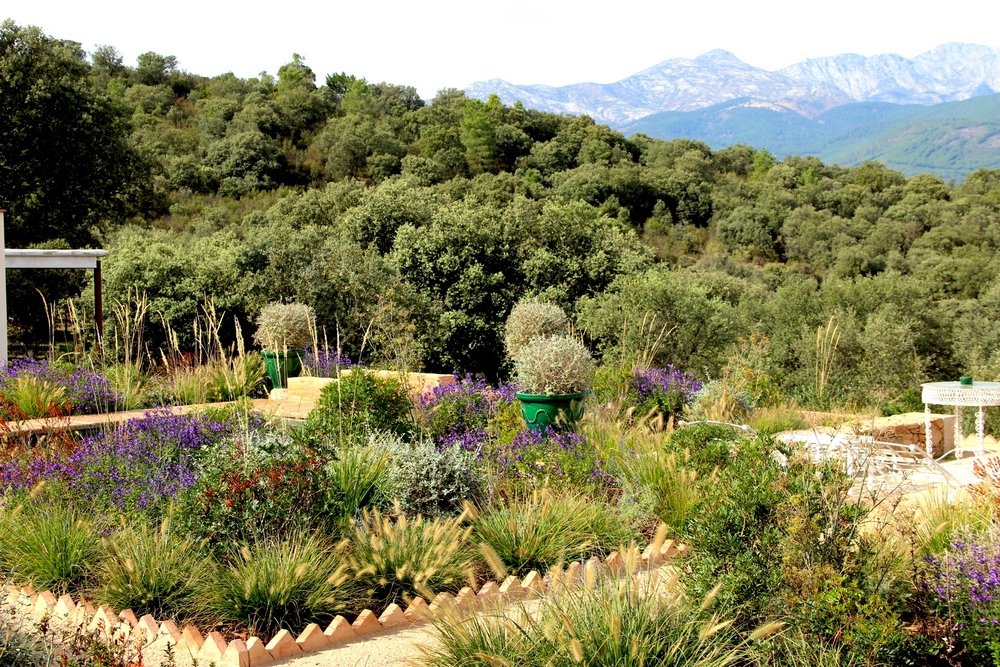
(542, 410)
(281, 365)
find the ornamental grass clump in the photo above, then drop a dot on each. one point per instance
(285, 326)
(48, 546)
(545, 529)
(632, 622)
(398, 558)
(555, 365)
(150, 571)
(531, 319)
(279, 584)
(32, 388)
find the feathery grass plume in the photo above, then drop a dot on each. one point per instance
(544, 529)
(397, 558)
(943, 512)
(49, 546)
(532, 319)
(273, 585)
(150, 571)
(637, 621)
(793, 648)
(33, 397)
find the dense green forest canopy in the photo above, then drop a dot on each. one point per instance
(413, 227)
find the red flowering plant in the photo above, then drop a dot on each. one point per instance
(264, 485)
(253, 486)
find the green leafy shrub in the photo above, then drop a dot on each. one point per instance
(431, 481)
(531, 319)
(734, 534)
(279, 584)
(49, 546)
(359, 404)
(150, 571)
(395, 559)
(543, 530)
(705, 447)
(554, 365)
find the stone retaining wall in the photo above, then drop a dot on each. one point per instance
(308, 389)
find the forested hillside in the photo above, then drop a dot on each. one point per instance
(413, 228)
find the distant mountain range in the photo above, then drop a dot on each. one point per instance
(937, 112)
(949, 139)
(948, 73)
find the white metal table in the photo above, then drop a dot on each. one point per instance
(977, 395)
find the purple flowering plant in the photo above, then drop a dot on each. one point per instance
(325, 363)
(465, 413)
(963, 587)
(471, 415)
(667, 389)
(556, 458)
(84, 391)
(142, 464)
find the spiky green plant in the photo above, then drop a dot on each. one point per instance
(150, 571)
(396, 558)
(273, 585)
(544, 529)
(49, 546)
(665, 485)
(621, 623)
(32, 396)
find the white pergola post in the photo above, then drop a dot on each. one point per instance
(3, 296)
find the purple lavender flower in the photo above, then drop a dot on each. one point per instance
(459, 413)
(86, 392)
(325, 363)
(669, 389)
(138, 465)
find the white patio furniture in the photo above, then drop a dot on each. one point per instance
(977, 395)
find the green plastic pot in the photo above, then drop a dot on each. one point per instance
(282, 365)
(542, 410)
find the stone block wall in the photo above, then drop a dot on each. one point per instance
(909, 429)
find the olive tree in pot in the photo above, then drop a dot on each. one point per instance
(283, 332)
(554, 369)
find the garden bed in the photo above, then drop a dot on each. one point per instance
(257, 537)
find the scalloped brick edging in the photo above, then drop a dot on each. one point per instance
(150, 637)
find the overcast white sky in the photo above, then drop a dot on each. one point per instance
(451, 43)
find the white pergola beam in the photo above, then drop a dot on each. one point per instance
(45, 259)
(3, 296)
(16, 260)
